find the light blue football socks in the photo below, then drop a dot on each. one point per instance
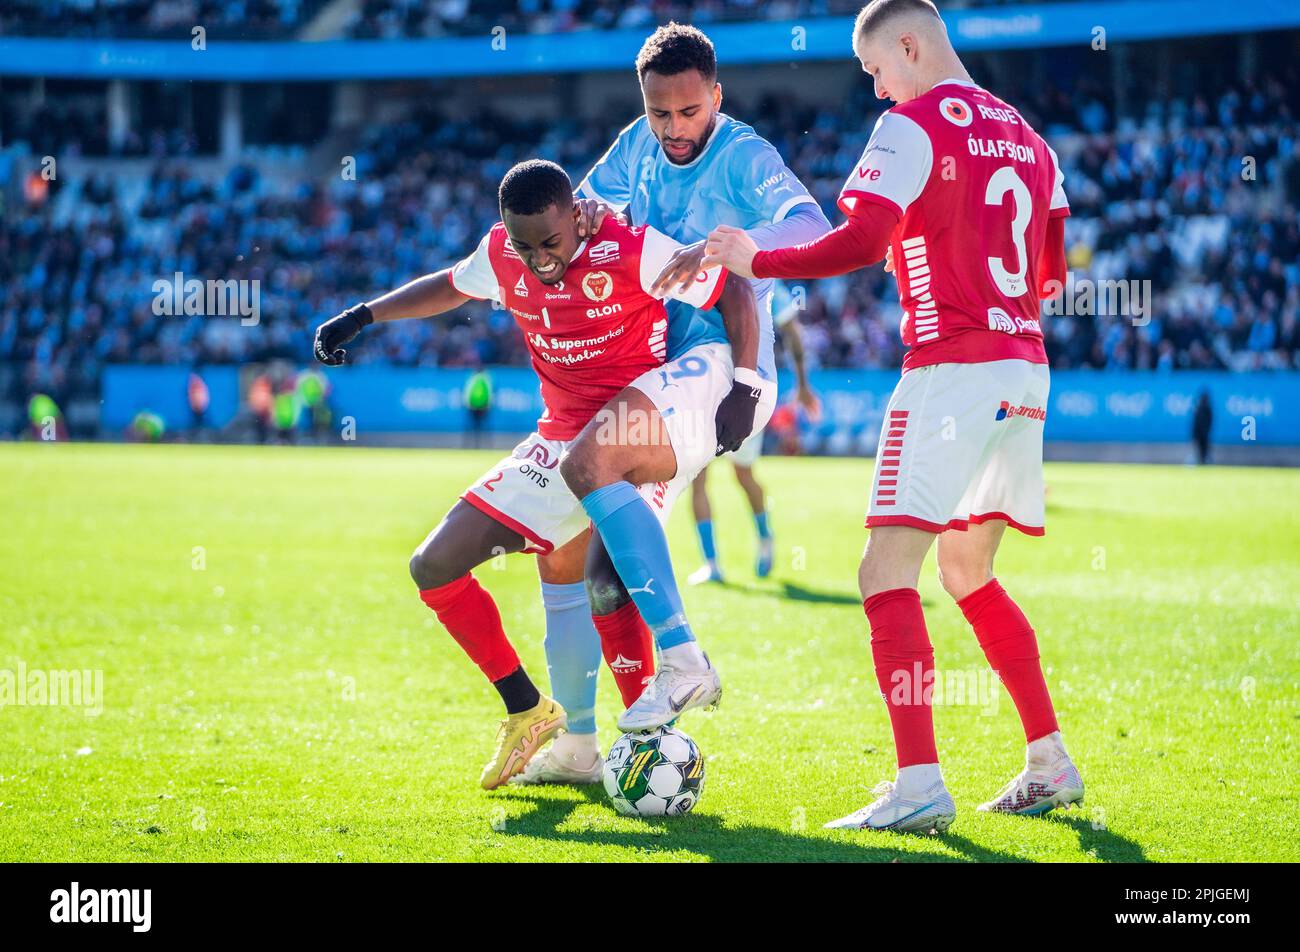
(573, 656)
(639, 550)
(705, 530)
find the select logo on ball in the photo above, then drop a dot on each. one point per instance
(955, 111)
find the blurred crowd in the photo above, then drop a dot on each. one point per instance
(393, 19)
(1198, 197)
(243, 19)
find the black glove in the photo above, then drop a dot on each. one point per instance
(337, 331)
(735, 416)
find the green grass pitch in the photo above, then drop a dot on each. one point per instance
(273, 689)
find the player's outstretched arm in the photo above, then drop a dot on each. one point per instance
(423, 297)
(735, 417)
(859, 241)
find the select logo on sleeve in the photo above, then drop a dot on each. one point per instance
(75, 904)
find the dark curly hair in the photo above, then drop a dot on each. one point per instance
(674, 48)
(533, 186)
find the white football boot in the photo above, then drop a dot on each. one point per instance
(550, 767)
(930, 809)
(1049, 780)
(671, 693)
(706, 573)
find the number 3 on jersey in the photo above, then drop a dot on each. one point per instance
(1011, 283)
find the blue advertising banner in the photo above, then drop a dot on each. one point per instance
(499, 54)
(1083, 407)
(1092, 407)
(128, 389)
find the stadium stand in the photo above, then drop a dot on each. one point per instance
(1158, 183)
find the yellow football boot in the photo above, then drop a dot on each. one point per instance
(519, 737)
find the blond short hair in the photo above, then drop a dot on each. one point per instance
(878, 13)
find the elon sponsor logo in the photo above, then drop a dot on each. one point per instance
(1005, 409)
(597, 285)
(955, 111)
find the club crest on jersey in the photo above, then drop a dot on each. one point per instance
(597, 285)
(955, 111)
(521, 289)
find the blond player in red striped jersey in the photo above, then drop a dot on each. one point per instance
(969, 202)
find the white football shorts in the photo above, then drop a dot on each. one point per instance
(962, 444)
(687, 391)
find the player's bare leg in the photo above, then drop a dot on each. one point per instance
(918, 800)
(701, 508)
(758, 505)
(602, 468)
(1050, 779)
(441, 567)
(573, 663)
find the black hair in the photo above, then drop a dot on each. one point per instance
(533, 186)
(674, 48)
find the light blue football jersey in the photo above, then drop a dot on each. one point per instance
(739, 179)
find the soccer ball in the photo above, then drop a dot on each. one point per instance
(654, 773)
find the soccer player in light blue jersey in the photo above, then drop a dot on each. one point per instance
(785, 319)
(683, 167)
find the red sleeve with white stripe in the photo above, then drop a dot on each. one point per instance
(856, 243)
(894, 166)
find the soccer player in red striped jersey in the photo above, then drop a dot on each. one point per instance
(593, 326)
(969, 202)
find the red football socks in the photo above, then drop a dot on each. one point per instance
(470, 616)
(904, 662)
(629, 649)
(1012, 650)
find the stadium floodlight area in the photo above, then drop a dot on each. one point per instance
(748, 43)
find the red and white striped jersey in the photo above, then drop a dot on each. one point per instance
(597, 329)
(974, 187)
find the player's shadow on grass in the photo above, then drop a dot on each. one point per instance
(1102, 843)
(801, 593)
(789, 590)
(706, 836)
